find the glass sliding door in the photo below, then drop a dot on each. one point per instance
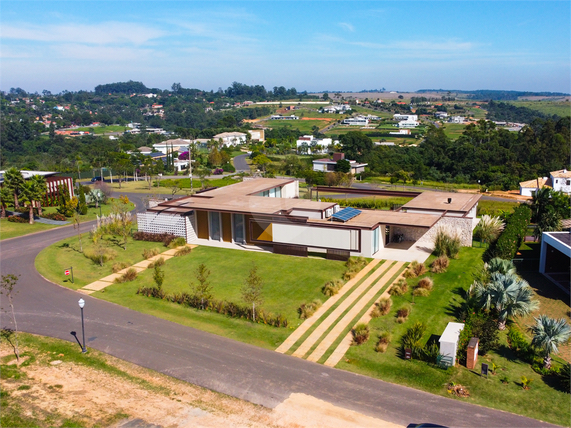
(214, 225)
(239, 235)
(376, 236)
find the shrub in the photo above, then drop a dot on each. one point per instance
(417, 268)
(100, 255)
(183, 251)
(425, 283)
(381, 347)
(17, 219)
(446, 243)
(331, 288)
(482, 325)
(403, 312)
(349, 275)
(130, 275)
(506, 246)
(306, 310)
(411, 339)
(355, 264)
(421, 292)
(360, 333)
(440, 264)
(519, 344)
(401, 320)
(399, 288)
(384, 305)
(119, 266)
(564, 377)
(54, 216)
(179, 241)
(165, 238)
(158, 262)
(150, 252)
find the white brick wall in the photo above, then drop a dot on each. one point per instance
(162, 223)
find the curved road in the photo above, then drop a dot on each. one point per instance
(240, 163)
(244, 371)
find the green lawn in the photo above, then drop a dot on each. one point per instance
(166, 185)
(495, 208)
(103, 129)
(55, 259)
(453, 130)
(12, 230)
(542, 401)
(288, 282)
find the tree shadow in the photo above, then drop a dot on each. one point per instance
(554, 382)
(506, 352)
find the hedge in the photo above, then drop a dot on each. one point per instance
(512, 237)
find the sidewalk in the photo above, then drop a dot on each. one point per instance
(139, 267)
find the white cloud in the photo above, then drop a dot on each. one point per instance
(346, 26)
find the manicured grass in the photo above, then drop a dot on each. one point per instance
(103, 129)
(165, 185)
(541, 402)
(55, 259)
(495, 207)
(12, 230)
(453, 130)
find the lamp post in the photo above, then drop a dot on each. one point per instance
(81, 305)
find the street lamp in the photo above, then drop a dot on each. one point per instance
(81, 305)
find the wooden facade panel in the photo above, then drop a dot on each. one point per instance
(226, 227)
(247, 221)
(202, 224)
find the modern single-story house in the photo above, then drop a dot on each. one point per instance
(268, 213)
(555, 258)
(328, 165)
(356, 121)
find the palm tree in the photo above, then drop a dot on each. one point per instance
(501, 266)
(13, 180)
(40, 189)
(548, 334)
(28, 196)
(5, 197)
(508, 294)
(489, 228)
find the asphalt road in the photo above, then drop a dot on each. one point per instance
(240, 163)
(258, 375)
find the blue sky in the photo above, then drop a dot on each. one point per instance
(313, 46)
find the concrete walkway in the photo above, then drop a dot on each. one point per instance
(139, 267)
(306, 325)
(338, 311)
(344, 322)
(343, 347)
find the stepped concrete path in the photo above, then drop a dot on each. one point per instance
(344, 346)
(344, 322)
(139, 267)
(338, 311)
(306, 325)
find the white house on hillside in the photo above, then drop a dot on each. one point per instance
(328, 165)
(231, 138)
(560, 181)
(310, 145)
(356, 121)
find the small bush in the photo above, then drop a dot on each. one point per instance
(396, 290)
(306, 310)
(447, 243)
(384, 305)
(179, 241)
(183, 251)
(403, 312)
(17, 219)
(421, 292)
(355, 264)
(418, 268)
(100, 256)
(119, 266)
(440, 264)
(564, 377)
(349, 275)
(158, 262)
(130, 275)
(165, 238)
(54, 216)
(150, 252)
(401, 320)
(331, 288)
(381, 347)
(425, 283)
(360, 334)
(383, 343)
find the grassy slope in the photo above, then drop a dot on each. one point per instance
(541, 401)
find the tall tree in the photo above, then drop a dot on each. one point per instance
(40, 190)
(28, 194)
(13, 180)
(548, 334)
(202, 289)
(5, 197)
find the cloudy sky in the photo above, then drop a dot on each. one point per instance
(309, 45)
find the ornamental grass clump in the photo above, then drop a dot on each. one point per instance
(402, 314)
(382, 307)
(360, 334)
(183, 251)
(440, 264)
(130, 275)
(177, 242)
(421, 292)
(158, 262)
(400, 288)
(331, 288)
(306, 310)
(119, 266)
(150, 252)
(447, 243)
(384, 341)
(425, 283)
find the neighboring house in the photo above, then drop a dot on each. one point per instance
(268, 213)
(328, 165)
(145, 150)
(457, 119)
(401, 132)
(257, 134)
(356, 121)
(441, 115)
(409, 123)
(560, 181)
(178, 145)
(336, 108)
(52, 183)
(409, 117)
(311, 145)
(280, 117)
(231, 138)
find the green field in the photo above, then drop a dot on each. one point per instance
(453, 130)
(305, 126)
(560, 108)
(102, 129)
(542, 401)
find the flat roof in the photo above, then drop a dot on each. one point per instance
(371, 218)
(563, 237)
(462, 202)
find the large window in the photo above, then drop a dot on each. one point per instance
(214, 225)
(238, 220)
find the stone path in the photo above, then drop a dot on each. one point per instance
(139, 267)
(306, 325)
(338, 311)
(344, 322)
(343, 347)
